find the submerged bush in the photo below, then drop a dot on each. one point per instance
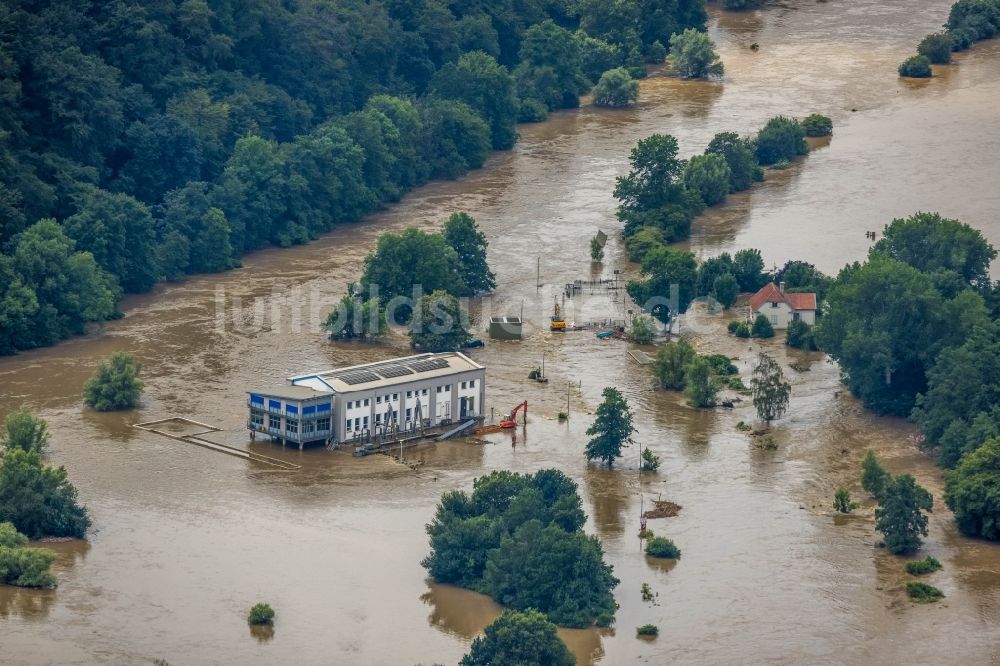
(762, 327)
(936, 47)
(261, 613)
(616, 89)
(799, 335)
(916, 67)
(663, 548)
(924, 566)
(923, 593)
(647, 630)
(742, 330)
(817, 125)
(22, 566)
(842, 501)
(115, 384)
(780, 139)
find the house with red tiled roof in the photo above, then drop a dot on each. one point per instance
(781, 307)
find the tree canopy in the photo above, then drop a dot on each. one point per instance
(612, 428)
(158, 140)
(38, 499)
(972, 491)
(616, 88)
(519, 637)
(899, 516)
(693, 55)
(439, 323)
(519, 539)
(23, 430)
(769, 389)
(115, 384)
(463, 235)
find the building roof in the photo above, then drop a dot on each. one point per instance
(770, 293)
(383, 374)
(292, 392)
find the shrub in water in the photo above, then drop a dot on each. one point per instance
(916, 67)
(261, 614)
(936, 47)
(647, 630)
(923, 593)
(817, 125)
(925, 566)
(742, 330)
(842, 501)
(762, 328)
(663, 548)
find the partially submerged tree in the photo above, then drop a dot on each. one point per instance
(769, 389)
(670, 365)
(38, 499)
(972, 492)
(781, 139)
(354, 318)
(699, 388)
(874, 477)
(693, 55)
(596, 250)
(612, 428)
(23, 430)
(526, 638)
(23, 566)
(616, 89)
(842, 501)
(519, 539)
(439, 323)
(115, 384)
(650, 461)
(916, 67)
(762, 327)
(899, 516)
(709, 176)
(642, 329)
(463, 235)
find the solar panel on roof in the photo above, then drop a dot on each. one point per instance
(360, 377)
(432, 364)
(394, 371)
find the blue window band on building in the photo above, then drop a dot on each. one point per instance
(309, 410)
(323, 407)
(291, 409)
(274, 404)
(257, 399)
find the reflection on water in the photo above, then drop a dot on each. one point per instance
(459, 611)
(262, 632)
(186, 538)
(608, 492)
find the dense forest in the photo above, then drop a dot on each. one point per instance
(148, 140)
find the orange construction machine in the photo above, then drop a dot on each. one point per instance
(510, 420)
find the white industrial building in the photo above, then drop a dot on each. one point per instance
(373, 400)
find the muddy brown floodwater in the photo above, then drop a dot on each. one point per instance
(185, 540)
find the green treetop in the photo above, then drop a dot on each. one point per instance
(115, 384)
(612, 428)
(526, 638)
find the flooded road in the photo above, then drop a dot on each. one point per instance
(185, 540)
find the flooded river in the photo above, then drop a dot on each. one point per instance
(185, 539)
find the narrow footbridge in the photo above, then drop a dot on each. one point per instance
(186, 430)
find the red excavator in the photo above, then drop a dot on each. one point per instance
(510, 420)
